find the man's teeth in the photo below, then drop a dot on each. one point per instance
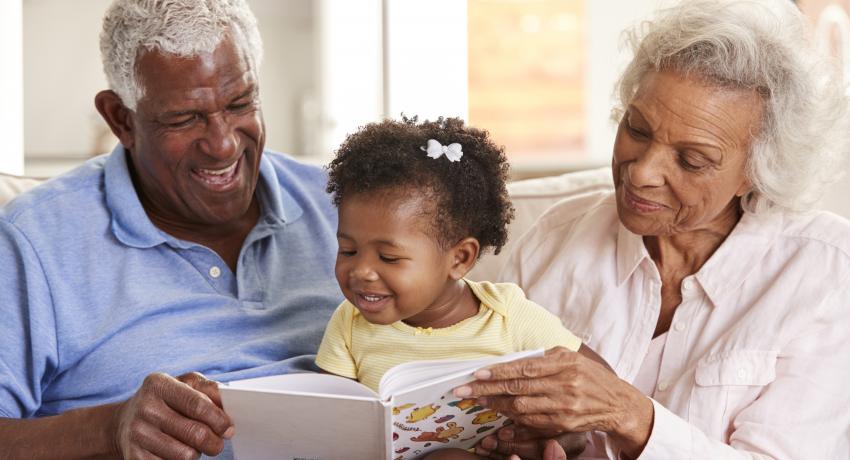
(372, 298)
(219, 172)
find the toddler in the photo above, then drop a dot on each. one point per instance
(419, 202)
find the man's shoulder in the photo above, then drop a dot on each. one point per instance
(293, 172)
(78, 189)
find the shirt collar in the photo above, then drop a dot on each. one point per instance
(130, 222)
(725, 271)
(739, 255)
(630, 253)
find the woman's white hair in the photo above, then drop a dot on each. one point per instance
(182, 28)
(761, 45)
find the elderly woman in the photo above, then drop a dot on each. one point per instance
(724, 309)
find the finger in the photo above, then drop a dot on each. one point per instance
(552, 362)
(195, 405)
(150, 442)
(516, 432)
(191, 433)
(525, 449)
(206, 386)
(515, 405)
(553, 451)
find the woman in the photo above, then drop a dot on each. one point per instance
(724, 310)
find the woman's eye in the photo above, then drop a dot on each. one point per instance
(688, 164)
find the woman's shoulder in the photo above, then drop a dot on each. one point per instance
(816, 231)
(588, 216)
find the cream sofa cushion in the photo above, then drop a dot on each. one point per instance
(11, 186)
(530, 198)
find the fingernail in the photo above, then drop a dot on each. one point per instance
(463, 391)
(483, 374)
(229, 432)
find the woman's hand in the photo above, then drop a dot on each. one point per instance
(513, 442)
(173, 418)
(566, 391)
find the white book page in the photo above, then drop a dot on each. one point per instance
(306, 416)
(307, 384)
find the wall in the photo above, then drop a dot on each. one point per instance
(62, 73)
(11, 78)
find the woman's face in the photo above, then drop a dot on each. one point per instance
(680, 154)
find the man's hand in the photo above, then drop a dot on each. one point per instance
(172, 418)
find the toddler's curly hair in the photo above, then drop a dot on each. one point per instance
(470, 195)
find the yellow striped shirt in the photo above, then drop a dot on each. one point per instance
(506, 322)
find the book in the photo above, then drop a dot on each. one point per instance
(327, 417)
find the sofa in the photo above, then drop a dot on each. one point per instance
(530, 198)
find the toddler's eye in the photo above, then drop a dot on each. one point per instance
(346, 253)
(389, 259)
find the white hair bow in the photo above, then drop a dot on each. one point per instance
(435, 150)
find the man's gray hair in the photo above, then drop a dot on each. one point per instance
(182, 28)
(761, 45)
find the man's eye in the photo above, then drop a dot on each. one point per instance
(239, 106)
(181, 122)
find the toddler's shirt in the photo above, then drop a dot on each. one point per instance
(506, 322)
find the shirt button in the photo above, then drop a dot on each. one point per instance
(679, 327)
(688, 284)
(742, 373)
(662, 386)
(215, 272)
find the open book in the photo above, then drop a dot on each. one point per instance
(322, 416)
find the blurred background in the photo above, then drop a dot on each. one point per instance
(538, 74)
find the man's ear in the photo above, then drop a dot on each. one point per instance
(464, 255)
(117, 116)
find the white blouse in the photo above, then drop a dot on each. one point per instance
(757, 359)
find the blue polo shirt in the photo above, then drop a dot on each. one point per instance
(94, 297)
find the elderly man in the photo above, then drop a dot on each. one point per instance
(188, 248)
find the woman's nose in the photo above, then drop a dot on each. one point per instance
(649, 168)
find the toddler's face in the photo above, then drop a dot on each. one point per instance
(389, 265)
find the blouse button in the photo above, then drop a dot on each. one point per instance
(688, 284)
(215, 272)
(662, 386)
(679, 327)
(742, 373)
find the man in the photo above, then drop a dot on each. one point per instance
(188, 248)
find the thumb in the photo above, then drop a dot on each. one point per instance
(554, 451)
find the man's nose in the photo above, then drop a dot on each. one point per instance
(649, 168)
(219, 140)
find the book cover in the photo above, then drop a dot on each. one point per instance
(322, 416)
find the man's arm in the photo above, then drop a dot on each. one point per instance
(167, 417)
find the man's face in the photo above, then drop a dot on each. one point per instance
(198, 135)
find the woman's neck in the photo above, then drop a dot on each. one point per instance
(686, 252)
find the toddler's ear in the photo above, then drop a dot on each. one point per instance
(464, 255)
